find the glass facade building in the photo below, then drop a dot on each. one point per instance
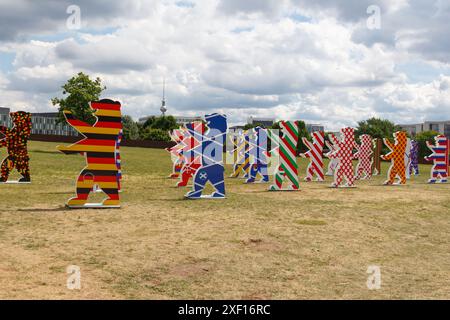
(41, 123)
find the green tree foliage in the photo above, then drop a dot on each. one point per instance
(157, 128)
(164, 123)
(80, 90)
(377, 128)
(422, 139)
(130, 128)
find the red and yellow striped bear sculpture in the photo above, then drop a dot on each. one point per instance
(99, 146)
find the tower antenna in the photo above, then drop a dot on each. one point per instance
(163, 101)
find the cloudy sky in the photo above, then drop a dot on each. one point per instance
(321, 61)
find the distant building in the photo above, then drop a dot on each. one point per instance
(178, 119)
(46, 123)
(186, 119)
(443, 127)
(41, 123)
(412, 129)
(4, 117)
(310, 127)
(236, 128)
(264, 122)
(4, 110)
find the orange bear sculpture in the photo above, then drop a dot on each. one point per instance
(397, 157)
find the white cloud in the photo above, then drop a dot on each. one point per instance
(242, 58)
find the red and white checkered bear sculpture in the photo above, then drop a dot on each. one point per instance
(364, 155)
(344, 153)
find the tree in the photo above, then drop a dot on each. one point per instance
(148, 122)
(422, 139)
(165, 123)
(377, 128)
(130, 128)
(80, 90)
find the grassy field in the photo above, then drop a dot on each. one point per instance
(312, 244)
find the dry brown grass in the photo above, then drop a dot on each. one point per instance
(312, 244)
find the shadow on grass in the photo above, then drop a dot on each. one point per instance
(64, 208)
(167, 199)
(60, 192)
(388, 186)
(46, 151)
(256, 191)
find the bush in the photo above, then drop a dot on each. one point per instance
(155, 134)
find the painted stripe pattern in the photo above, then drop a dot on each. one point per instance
(211, 151)
(99, 147)
(191, 148)
(258, 155)
(176, 152)
(241, 150)
(315, 154)
(332, 147)
(414, 166)
(440, 157)
(288, 168)
(119, 160)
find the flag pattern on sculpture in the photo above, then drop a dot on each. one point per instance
(212, 166)
(238, 144)
(176, 152)
(242, 148)
(414, 165)
(344, 154)
(440, 157)
(315, 154)
(364, 155)
(191, 148)
(119, 161)
(234, 143)
(15, 140)
(333, 163)
(396, 155)
(288, 168)
(258, 155)
(99, 147)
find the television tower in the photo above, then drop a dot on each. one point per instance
(163, 101)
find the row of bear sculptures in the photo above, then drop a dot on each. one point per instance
(258, 153)
(198, 154)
